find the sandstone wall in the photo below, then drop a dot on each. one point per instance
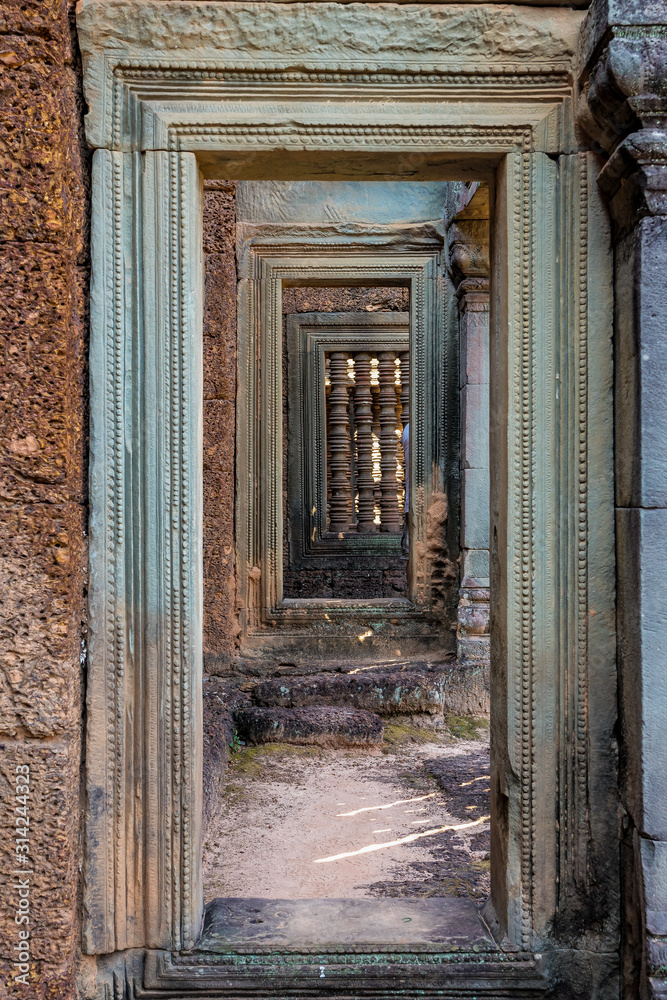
(44, 277)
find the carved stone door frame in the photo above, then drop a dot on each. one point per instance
(267, 618)
(180, 89)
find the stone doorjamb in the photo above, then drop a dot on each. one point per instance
(180, 89)
(468, 253)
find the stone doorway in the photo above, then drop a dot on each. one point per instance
(491, 103)
(320, 703)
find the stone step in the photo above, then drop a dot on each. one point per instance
(385, 692)
(443, 925)
(323, 726)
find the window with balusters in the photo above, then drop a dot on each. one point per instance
(348, 434)
(367, 411)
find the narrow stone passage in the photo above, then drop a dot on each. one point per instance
(409, 819)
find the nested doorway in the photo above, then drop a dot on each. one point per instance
(358, 650)
(551, 541)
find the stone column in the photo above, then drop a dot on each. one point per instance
(468, 242)
(338, 429)
(623, 108)
(390, 518)
(363, 418)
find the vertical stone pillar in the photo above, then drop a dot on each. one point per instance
(390, 518)
(624, 109)
(363, 418)
(468, 242)
(340, 485)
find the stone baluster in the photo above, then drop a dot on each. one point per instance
(338, 434)
(390, 519)
(404, 391)
(363, 418)
(468, 242)
(405, 387)
(375, 428)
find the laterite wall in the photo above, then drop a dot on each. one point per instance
(44, 278)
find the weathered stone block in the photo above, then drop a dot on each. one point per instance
(604, 14)
(642, 371)
(386, 693)
(41, 607)
(41, 183)
(310, 583)
(221, 626)
(476, 566)
(654, 868)
(220, 218)
(219, 447)
(642, 543)
(219, 327)
(301, 300)
(357, 583)
(466, 685)
(53, 814)
(326, 727)
(46, 19)
(475, 509)
(475, 423)
(475, 347)
(42, 375)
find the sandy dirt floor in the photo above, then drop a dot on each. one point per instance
(410, 820)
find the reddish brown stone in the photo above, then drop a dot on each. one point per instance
(41, 375)
(219, 448)
(220, 327)
(220, 217)
(45, 19)
(300, 300)
(53, 852)
(41, 183)
(41, 610)
(221, 626)
(43, 207)
(220, 617)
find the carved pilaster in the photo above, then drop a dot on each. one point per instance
(468, 247)
(623, 107)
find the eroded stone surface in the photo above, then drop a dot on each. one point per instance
(42, 313)
(293, 922)
(44, 275)
(314, 726)
(41, 556)
(54, 835)
(387, 693)
(438, 32)
(221, 626)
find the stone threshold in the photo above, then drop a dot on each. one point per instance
(318, 949)
(440, 924)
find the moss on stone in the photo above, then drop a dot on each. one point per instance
(396, 734)
(465, 727)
